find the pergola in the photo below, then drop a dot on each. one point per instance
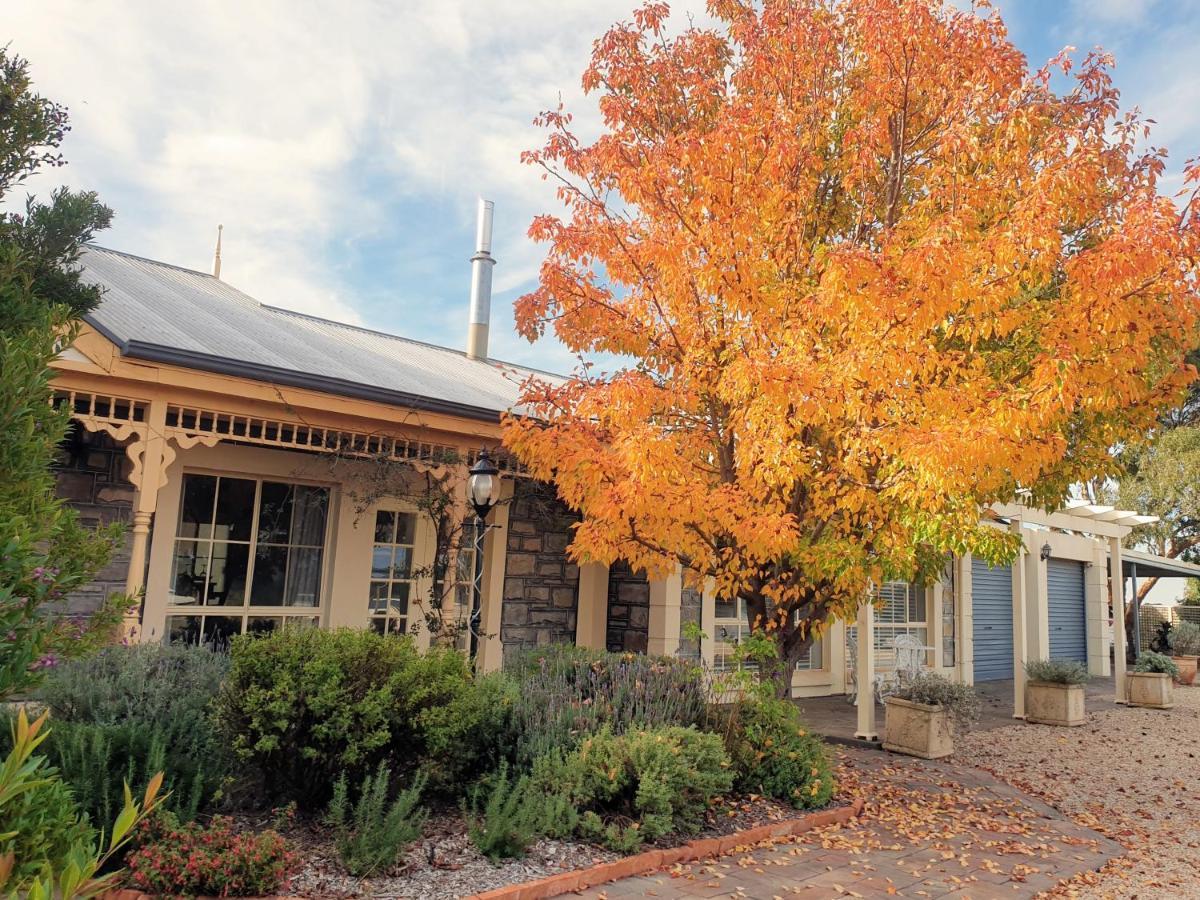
(1096, 521)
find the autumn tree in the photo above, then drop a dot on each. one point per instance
(866, 272)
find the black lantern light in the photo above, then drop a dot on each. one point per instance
(1046, 551)
(483, 490)
(483, 485)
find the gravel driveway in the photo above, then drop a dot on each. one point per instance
(1132, 774)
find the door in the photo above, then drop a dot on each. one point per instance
(992, 616)
(1068, 609)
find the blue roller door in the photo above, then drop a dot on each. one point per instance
(992, 615)
(1068, 609)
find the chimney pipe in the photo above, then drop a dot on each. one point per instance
(481, 283)
(216, 269)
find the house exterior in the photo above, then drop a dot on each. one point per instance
(239, 442)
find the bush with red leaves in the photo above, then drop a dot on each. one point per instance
(213, 860)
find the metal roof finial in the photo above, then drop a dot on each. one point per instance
(217, 254)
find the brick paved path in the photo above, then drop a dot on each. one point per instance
(930, 830)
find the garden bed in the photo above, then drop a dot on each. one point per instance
(444, 863)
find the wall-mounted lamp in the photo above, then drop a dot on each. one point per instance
(1046, 551)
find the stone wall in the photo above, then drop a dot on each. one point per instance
(628, 609)
(93, 478)
(541, 586)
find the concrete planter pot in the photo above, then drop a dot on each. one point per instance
(1151, 689)
(917, 729)
(1054, 704)
(1187, 668)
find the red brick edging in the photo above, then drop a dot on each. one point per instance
(654, 860)
(629, 866)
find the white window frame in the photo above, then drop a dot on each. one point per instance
(728, 632)
(308, 615)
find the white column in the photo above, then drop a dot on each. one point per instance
(591, 614)
(865, 667)
(708, 624)
(147, 478)
(966, 622)
(1116, 580)
(1020, 615)
(666, 600)
(491, 601)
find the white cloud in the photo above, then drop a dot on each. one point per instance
(303, 128)
(308, 128)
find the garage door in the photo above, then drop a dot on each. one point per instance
(1068, 609)
(991, 612)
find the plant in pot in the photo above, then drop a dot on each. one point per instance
(1151, 681)
(923, 716)
(1054, 692)
(1184, 643)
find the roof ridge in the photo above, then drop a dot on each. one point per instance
(158, 262)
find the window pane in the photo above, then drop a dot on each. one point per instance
(220, 630)
(402, 563)
(183, 630)
(196, 506)
(379, 592)
(308, 515)
(406, 528)
(189, 571)
(235, 509)
(275, 513)
(270, 572)
(385, 527)
(916, 603)
(726, 609)
(227, 574)
(400, 598)
(303, 577)
(263, 624)
(381, 562)
(379, 625)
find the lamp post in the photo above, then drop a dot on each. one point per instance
(483, 490)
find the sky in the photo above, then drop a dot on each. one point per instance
(343, 146)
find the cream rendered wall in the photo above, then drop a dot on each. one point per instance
(1090, 552)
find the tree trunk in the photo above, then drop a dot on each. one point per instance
(792, 640)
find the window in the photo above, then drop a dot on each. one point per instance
(901, 612)
(392, 571)
(248, 556)
(732, 628)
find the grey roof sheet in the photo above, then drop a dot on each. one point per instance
(153, 310)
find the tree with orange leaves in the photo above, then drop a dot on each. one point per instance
(867, 273)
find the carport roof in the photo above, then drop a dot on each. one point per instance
(1151, 566)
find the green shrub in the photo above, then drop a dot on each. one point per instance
(1184, 639)
(193, 860)
(1157, 663)
(773, 753)
(465, 735)
(640, 785)
(1056, 671)
(304, 705)
(129, 712)
(41, 824)
(567, 693)
(48, 850)
(504, 817)
(371, 836)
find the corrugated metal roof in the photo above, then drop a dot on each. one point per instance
(153, 310)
